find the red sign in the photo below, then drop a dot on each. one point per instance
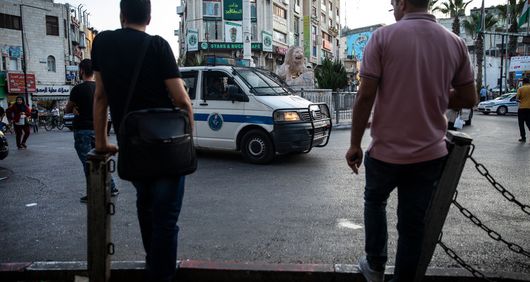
(15, 82)
(326, 44)
(281, 50)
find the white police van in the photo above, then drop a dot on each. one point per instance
(249, 110)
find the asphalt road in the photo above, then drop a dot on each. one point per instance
(300, 209)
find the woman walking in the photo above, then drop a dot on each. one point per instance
(20, 113)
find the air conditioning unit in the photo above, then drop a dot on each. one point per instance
(180, 10)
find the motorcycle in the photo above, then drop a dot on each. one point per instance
(4, 148)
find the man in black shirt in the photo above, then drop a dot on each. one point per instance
(114, 55)
(81, 104)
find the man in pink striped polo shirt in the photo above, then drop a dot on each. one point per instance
(411, 72)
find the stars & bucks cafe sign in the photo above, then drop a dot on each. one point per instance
(228, 46)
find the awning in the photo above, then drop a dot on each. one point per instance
(50, 98)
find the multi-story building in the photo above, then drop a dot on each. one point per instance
(54, 42)
(214, 28)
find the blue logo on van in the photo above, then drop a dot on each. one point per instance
(215, 121)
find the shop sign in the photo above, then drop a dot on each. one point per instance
(72, 68)
(192, 39)
(267, 41)
(520, 63)
(15, 82)
(227, 46)
(52, 90)
(233, 32)
(233, 10)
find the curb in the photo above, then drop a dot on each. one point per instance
(206, 271)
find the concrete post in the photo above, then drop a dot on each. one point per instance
(459, 145)
(99, 210)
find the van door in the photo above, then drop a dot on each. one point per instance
(218, 116)
(190, 81)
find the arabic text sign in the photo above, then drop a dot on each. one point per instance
(520, 63)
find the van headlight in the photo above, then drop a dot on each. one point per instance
(286, 116)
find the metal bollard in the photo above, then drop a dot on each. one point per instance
(99, 210)
(459, 145)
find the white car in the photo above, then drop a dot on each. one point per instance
(506, 103)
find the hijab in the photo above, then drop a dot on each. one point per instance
(20, 107)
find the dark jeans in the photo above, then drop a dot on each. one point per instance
(158, 203)
(19, 129)
(415, 184)
(84, 141)
(523, 116)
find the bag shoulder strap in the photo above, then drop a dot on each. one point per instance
(136, 72)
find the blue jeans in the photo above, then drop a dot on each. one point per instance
(84, 141)
(158, 203)
(415, 184)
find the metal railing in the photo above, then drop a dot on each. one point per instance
(339, 103)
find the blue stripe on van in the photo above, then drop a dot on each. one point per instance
(238, 118)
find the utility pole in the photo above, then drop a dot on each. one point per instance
(24, 62)
(247, 51)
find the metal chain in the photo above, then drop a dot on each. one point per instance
(452, 254)
(505, 193)
(493, 234)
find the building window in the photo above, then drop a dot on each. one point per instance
(253, 11)
(51, 64)
(213, 30)
(280, 36)
(330, 7)
(322, 18)
(254, 31)
(211, 8)
(314, 12)
(279, 12)
(296, 25)
(10, 22)
(330, 23)
(52, 25)
(314, 40)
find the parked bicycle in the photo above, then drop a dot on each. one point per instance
(54, 122)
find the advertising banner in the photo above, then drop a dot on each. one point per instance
(355, 44)
(192, 40)
(233, 10)
(267, 41)
(307, 37)
(520, 63)
(15, 82)
(233, 32)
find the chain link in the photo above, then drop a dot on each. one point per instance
(493, 234)
(505, 193)
(452, 254)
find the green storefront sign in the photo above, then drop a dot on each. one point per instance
(227, 46)
(233, 10)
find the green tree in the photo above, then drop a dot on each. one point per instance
(331, 75)
(511, 13)
(455, 9)
(472, 26)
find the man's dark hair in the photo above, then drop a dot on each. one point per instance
(86, 67)
(136, 11)
(526, 80)
(420, 3)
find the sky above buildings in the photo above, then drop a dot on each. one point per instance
(104, 14)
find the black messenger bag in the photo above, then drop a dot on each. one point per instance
(154, 143)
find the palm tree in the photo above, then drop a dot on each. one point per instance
(331, 75)
(513, 11)
(472, 27)
(455, 9)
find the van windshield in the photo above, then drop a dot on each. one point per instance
(261, 83)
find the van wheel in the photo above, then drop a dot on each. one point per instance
(256, 147)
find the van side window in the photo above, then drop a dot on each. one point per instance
(190, 80)
(215, 85)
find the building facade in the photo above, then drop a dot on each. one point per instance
(213, 28)
(55, 36)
